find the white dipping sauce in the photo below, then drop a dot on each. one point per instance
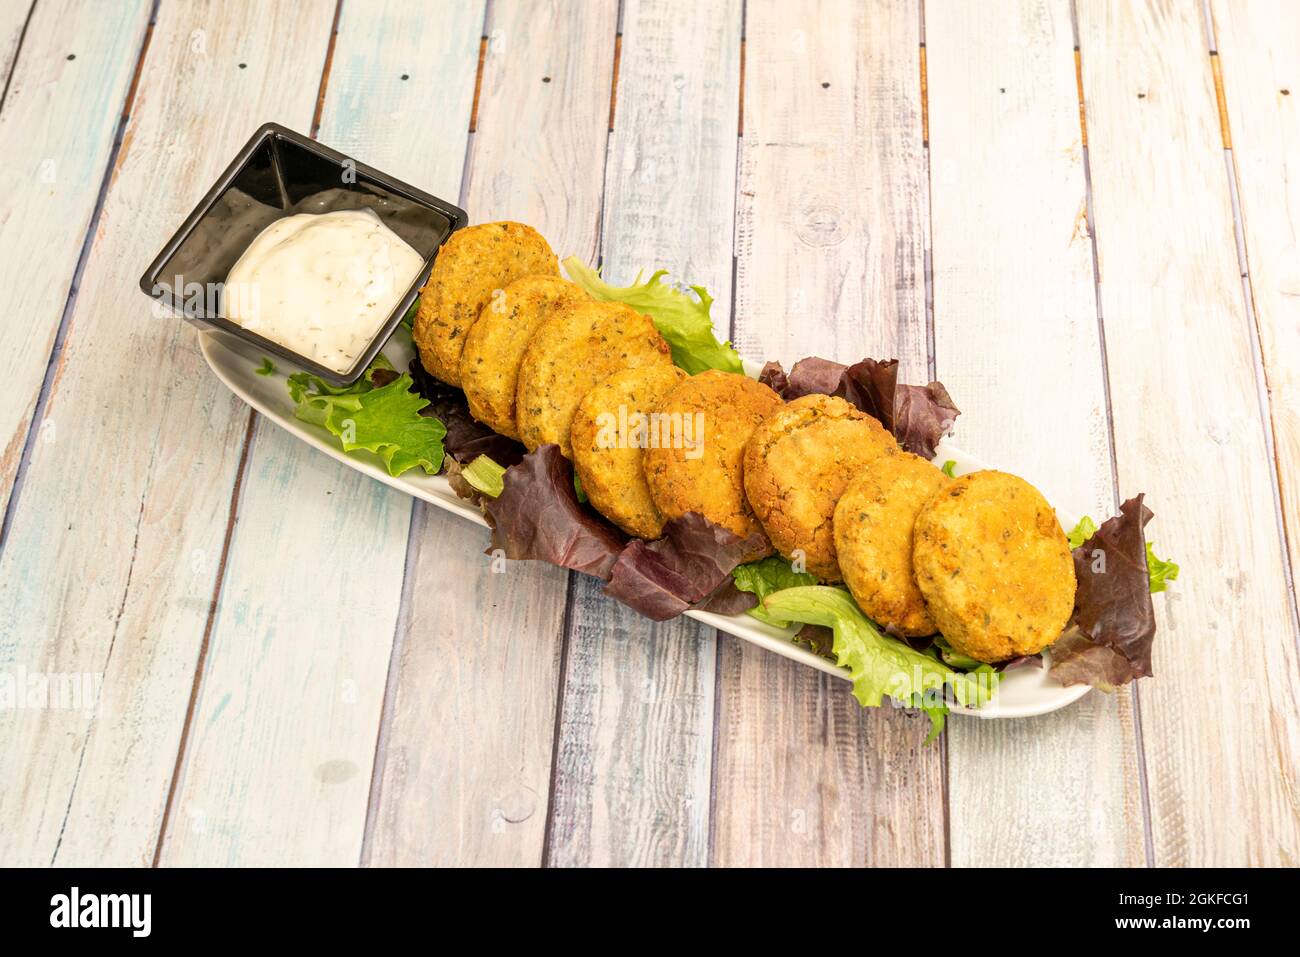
(321, 284)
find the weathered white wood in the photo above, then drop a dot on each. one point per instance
(13, 16)
(466, 757)
(1219, 720)
(57, 129)
(632, 775)
(1016, 342)
(113, 552)
(279, 764)
(829, 262)
(1261, 80)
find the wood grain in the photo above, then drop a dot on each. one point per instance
(466, 756)
(1261, 83)
(279, 763)
(632, 773)
(58, 124)
(111, 559)
(13, 17)
(830, 262)
(1016, 342)
(1219, 720)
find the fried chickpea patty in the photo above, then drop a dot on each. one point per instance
(495, 344)
(994, 566)
(715, 413)
(577, 348)
(873, 539)
(797, 464)
(472, 265)
(611, 430)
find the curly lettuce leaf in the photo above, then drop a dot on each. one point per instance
(689, 567)
(537, 517)
(918, 416)
(1159, 571)
(880, 666)
(682, 321)
(1081, 532)
(766, 577)
(378, 413)
(1108, 641)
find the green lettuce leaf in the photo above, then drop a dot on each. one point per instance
(1160, 571)
(765, 577)
(949, 468)
(682, 321)
(485, 475)
(266, 368)
(384, 419)
(1081, 532)
(880, 666)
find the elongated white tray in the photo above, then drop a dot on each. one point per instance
(1022, 693)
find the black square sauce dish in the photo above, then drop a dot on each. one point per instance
(279, 173)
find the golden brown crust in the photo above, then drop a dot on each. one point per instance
(579, 346)
(797, 464)
(473, 264)
(495, 344)
(705, 475)
(994, 566)
(611, 430)
(873, 540)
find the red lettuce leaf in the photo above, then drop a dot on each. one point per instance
(689, 567)
(774, 377)
(815, 374)
(917, 416)
(1108, 642)
(538, 517)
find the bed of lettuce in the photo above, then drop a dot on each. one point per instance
(536, 511)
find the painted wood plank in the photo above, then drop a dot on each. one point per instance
(59, 119)
(1016, 341)
(830, 258)
(1219, 721)
(112, 556)
(466, 755)
(1261, 79)
(13, 17)
(279, 764)
(632, 774)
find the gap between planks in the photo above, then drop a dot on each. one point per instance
(60, 335)
(232, 514)
(1262, 389)
(931, 359)
(570, 592)
(1139, 746)
(18, 50)
(402, 623)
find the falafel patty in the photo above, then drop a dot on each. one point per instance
(714, 414)
(495, 344)
(873, 539)
(472, 264)
(611, 431)
(994, 566)
(797, 464)
(578, 347)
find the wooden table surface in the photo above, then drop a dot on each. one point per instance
(1083, 217)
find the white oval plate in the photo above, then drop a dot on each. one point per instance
(1024, 692)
